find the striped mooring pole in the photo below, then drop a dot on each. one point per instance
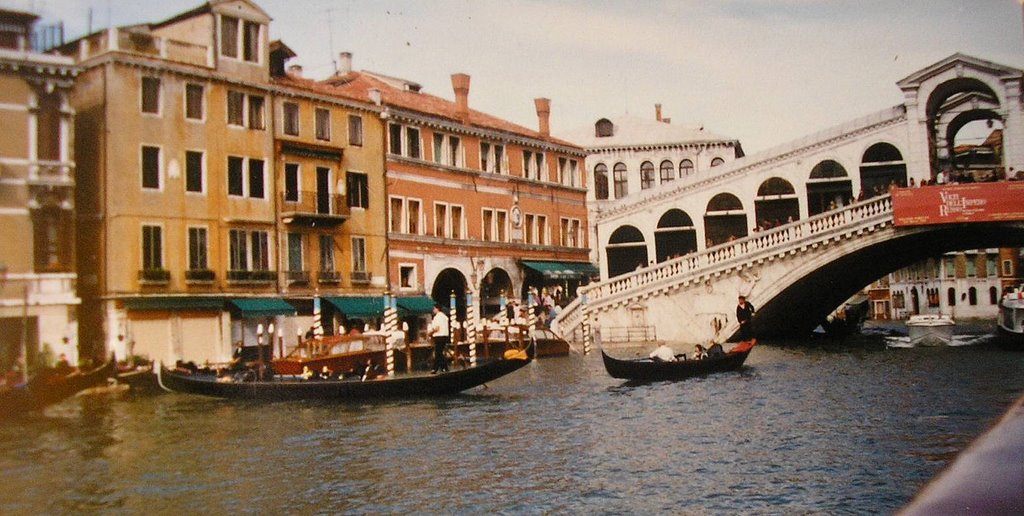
(502, 314)
(531, 316)
(588, 340)
(390, 326)
(453, 318)
(471, 327)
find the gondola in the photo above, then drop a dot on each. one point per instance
(647, 369)
(383, 387)
(49, 387)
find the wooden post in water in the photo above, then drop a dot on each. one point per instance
(259, 350)
(587, 338)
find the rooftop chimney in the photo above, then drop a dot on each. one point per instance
(657, 112)
(543, 115)
(344, 63)
(295, 71)
(460, 83)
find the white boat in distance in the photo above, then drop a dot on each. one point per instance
(1011, 318)
(930, 330)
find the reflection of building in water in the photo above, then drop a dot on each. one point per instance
(38, 300)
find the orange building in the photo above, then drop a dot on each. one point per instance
(475, 203)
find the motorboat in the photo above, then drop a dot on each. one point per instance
(930, 329)
(1011, 318)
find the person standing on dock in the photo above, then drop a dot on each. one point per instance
(440, 335)
(745, 315)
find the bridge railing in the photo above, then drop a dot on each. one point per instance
(819, 228)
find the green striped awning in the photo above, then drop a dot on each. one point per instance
(358, 307)
(415, 305)
(263, 307)
(174, 303)
(563, 270)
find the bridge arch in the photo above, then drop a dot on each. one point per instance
(724, 219)
(776, 203)
(828, 187)
(626, 250)
(881, 164)
(951, 105)
(675, 235)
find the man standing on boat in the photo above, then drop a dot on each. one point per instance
(744, 315)
(439, 334)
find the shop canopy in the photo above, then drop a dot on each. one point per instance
(262, 307)
(563, 270)
(358, 307)
(415, 305)
(174, 303)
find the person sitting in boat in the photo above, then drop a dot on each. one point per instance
(63, 368)
(699, 352)
(663, 353)
(715, 351)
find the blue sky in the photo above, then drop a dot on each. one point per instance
(762, 71)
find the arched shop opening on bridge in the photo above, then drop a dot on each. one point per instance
(724, 219)
(881, 166)
(965, 130)
(675, 235)
(626, 251)
(828, 187)
(776, 203)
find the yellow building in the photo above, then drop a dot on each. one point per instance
(38, 301)
(190, 239)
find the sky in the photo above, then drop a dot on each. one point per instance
(761, 71)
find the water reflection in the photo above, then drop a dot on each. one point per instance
(825, 427)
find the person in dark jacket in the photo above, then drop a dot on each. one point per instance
(745, 316)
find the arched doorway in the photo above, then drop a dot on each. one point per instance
(776, 203)
(448, 281)
(626, 251)
(828, 187)
(495, 283)
(881, 166)
(724, 219)
(953, 140)
(675, 235)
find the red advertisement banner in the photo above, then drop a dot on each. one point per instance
(950, 204)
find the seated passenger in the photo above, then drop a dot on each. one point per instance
(663, 353)
(716, 350)
(699, 353)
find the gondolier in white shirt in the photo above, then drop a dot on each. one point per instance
(439, 334)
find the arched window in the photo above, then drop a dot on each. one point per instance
(972, 296)
(685, 168)
(603, 128)
(993, 296)
(717, 162)
(601, 181)
(951, 296)
(646, 175)
(668, 172)
(621, 180)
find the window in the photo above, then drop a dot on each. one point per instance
(492, 158)
(487, 225)
(248, 251)
(256, 113)
(412, 136)
(397, 215)
(685, 168)
(194, 171)
(601, 181)
(415, 215)
(291, 118)
(564, 173)
(395, 139)
(323, 124)
(251, 42)
(229, 36)
(972, 296)
(358, 187)
(495, 225)
(621, 180)
(455, 212)
(407, 276)
(194, 101)
(152, 248)
(993, 296)
(358, 254)
(291, 182)
(1007, 268)
(151, 95)
(949, 266)
(667, 172)
(646, 175)
(529, 231)
(951, 297)
(486, 160)
(447, 150)
(256, 178)
(295, 253)
(971, 261)
(326, 253)
(355, 130)
(260, 251)
(235, 165)
(717, 162)
(454, 151)
(990, 266)
(236, 105)
(237, 250)
(447, 220)
(438, 148)
(528, 170)
(151, 167)
(570, 236)
(542, 230)
(440, 219)
(50, 225)
(48, 122)
(197, 249)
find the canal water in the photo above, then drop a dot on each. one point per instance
(808, 427)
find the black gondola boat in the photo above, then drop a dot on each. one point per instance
(647, 369)
(401, 386)
(49, 387)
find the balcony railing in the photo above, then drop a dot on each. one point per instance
(200, 276)
(307, 207)
(245, 276)
(328, 277)
(361, 277)
(155, 276)
(297, 276)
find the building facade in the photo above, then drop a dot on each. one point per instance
(476, 205)
(38, 298)
(214, 199)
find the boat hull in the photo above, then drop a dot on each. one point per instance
(405, 386)
(40, 392)
(646, 369)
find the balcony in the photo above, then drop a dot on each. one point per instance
(297, 277)
(154, 276)
(199, 276)
(244, 276)
(141, 43)
(328, 277)
(313, 208)
(360, 278)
